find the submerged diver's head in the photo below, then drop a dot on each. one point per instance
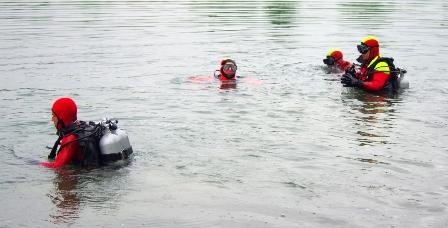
(369, 49)
(64, 112)
(332, 57)
(228, 68)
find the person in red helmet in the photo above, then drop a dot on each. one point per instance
(64, 117)
(335, 59)
(374, 74)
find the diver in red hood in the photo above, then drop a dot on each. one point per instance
(335, 59)
(64, 116)
(374, 73)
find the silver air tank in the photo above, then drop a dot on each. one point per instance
(110, 143)
(403, 83)
(124, 139)
(114, 144)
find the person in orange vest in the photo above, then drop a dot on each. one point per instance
(227, 75)
(335, 59)
(374, 73)
(228, 70)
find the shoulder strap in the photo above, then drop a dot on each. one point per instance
(71, 129)
(52, 154)
(393, 80)
(61, 133)
(372, 67)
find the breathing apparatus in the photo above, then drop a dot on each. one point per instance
(113, 143)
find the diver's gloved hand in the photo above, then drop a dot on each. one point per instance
(349, 80)
(351, 70)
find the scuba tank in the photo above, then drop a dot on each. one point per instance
(114, 144)
(109, 146)
(402, 82)
(123, 137)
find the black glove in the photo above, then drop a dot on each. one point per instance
(351, 70)
(349, 80)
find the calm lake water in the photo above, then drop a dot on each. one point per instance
(297, 150)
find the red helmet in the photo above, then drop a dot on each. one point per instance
(332, 57)
(371, 41)
(372, 44)
(335, 53)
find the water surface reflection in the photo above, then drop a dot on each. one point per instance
(65, 197)
(376, 114)
(298, 144)
(77, 188)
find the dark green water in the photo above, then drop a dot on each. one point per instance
(296, 151)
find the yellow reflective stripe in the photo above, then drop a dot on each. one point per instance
(372, 61)
(382, 67)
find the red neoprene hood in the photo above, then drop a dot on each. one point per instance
(65, 110)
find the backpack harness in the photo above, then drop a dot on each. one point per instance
(396, 74)
(89, 136)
